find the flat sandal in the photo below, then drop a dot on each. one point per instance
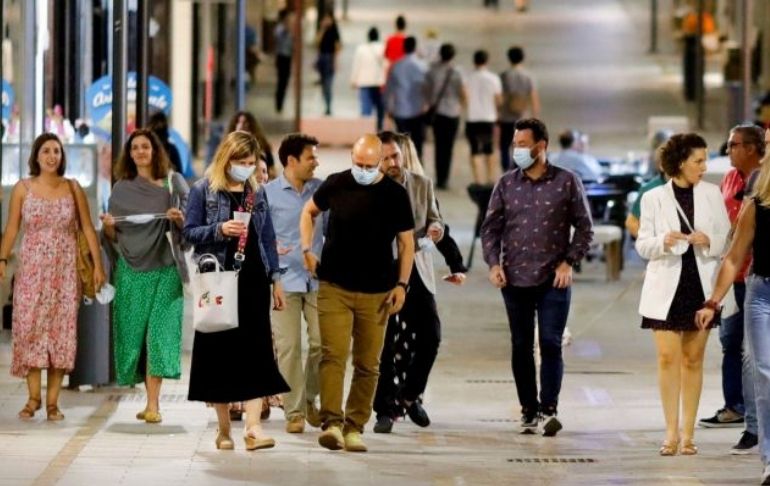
(669, 448)
(54, 414)
(29, 410)
(688, 448)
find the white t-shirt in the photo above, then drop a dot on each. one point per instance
(482, 87)
(369, 65)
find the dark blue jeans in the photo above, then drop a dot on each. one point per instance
(552, 308)
(731, 337)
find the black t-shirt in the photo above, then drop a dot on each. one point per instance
(329, 40)
(363, 223)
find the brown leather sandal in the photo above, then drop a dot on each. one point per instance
(688, 448)
(32, 406)
(669, 448)
(54, 414)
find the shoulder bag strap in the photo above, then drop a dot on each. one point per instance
(248, 203)
(443, 87)
(70, 184)
(683, 215)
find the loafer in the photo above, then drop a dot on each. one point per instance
(354, 442)
(384, 424)
(295, 425)
(417, 414)
(256, 441)
(331, 438)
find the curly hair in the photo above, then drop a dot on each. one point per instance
(677, 150)
(126, 167)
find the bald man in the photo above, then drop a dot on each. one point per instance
(361, 284)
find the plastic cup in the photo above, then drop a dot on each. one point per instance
(242, 217)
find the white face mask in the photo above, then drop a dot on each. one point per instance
(105, 294)
(140, 218)
(240, 173)
(365, 177)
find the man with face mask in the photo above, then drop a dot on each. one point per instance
(527, 245)
(360, 283)
(419, 315)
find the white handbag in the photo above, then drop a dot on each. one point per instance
(215, 297)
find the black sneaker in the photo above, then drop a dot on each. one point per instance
(723, 418)
(418, 414)
(746, 445)
(384, 424)
(766, 476)
(551, 426)
(529, 424)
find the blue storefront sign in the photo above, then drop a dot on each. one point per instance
(8, 98)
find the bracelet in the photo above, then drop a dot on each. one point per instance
(403, 285)
(306, 250)
(713, 305)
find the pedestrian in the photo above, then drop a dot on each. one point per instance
(287, 195)
(247, 122)
(574, 157)
(445, 92)
(394, 44)
(429, 46)
(361, 283)
(405, 94)
(237, 365)
(658, 179)
(419, 316)
(527, 245)
(746, 148)
(520, 96)
(158, 124)
(368, 75)
(284, 49)
(752, 237)
(683, 232)
(329, 45)
(484, 97)
(46, 291)
(149, 302)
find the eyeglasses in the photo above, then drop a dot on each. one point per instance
(732, 145)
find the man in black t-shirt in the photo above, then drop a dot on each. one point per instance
(360, 283)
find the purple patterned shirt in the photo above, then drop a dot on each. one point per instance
(528, 225)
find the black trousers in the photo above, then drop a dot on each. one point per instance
(283, 66)
(444, 135)
(418, 326)
(415, 127)
(506, 138)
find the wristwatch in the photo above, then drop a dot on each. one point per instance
(405, 286)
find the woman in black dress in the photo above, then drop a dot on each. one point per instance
(683, 231)
(239, 364)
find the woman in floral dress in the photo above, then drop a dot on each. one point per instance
(47, 289)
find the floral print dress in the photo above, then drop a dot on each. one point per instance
(46, 289)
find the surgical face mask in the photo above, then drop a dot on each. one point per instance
(105, 294)
(140, 218)
(365, 177)
(240, 173)
(523, 157)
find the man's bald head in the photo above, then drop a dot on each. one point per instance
(367, 151)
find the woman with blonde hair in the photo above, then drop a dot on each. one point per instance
(237, 365)
(682, 233)
(149, 303)
(46, 290)
(752, 237)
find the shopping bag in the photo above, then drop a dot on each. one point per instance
(215, 297)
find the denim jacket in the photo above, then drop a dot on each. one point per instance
(206, 213)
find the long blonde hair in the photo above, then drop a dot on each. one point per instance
(409, 152)
(235, 146)
(762, 186)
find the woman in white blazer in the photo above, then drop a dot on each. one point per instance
(683, 231)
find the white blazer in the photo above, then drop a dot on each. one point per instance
(659, 216)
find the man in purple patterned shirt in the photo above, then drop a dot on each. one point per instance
(530, 253)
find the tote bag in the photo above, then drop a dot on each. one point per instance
(215, 297)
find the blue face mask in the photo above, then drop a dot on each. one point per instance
(240, 173)
(365, 177)
(523, 157)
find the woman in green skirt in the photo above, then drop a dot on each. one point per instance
(147, 310)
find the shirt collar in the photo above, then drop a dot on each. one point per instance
(550, 173)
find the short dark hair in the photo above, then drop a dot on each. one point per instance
(752, 135)
(34, 165)
(387, 136)
(516, 55)
(282, 14)
(480, 57)
(400, 22)
(567, 138)
(537, 127)
(410, 44)
(126, 167)
(373, 34)
(293, 145)
(676, 150)
(446, 52)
